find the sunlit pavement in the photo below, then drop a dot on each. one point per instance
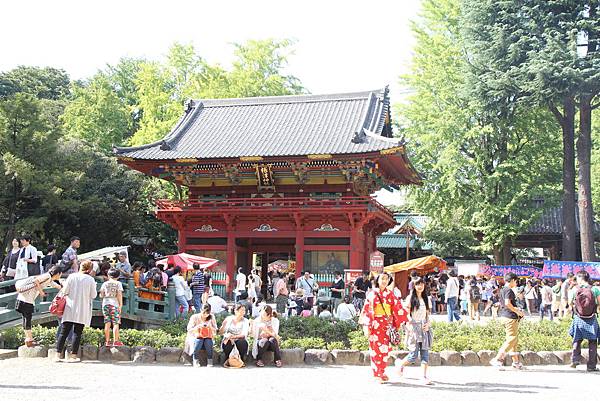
(41, 379)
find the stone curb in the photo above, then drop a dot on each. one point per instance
(297, 356)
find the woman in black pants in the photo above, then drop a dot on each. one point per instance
(28, 290)
(235, 331)
(79, 291)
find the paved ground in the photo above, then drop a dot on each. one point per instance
(41, 379)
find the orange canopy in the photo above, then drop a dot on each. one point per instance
(425, 264)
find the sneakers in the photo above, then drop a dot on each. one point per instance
(574, 365)
(209, 363)
(59, 357)
(117, 344)
(593, 370)
(73, 358)
(517, 365)
(496, 363)
(195, 363)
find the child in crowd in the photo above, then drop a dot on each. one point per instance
(418, 338)
(111, 293)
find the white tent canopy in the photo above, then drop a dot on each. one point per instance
(108, 252)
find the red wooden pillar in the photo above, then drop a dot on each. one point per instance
(355, 247)
(231, 250)
(299, 244)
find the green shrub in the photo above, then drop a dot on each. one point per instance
(336, 345)
(304, 343)
(44, 335)
(358, 340)
(92, 336)
(314, 327)
(13, 337)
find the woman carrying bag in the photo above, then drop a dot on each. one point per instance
(235, 338)
(381, 318)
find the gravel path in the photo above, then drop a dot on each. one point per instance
(41, 379)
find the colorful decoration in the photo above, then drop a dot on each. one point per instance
(560, 269)
(326, 227)
(206, 228)
(500, 271)
(265, 227)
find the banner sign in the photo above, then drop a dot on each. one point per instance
(559, 269)
(521, 271)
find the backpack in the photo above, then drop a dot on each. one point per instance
(475, 294)
(584, 303)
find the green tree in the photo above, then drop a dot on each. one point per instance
(489, 167)
(543, 53)
(28, 136)
(163, 88)
(43, 83)
(97, 114)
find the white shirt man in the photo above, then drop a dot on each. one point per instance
(240, 280)
(217, 304)
(28, 256)
(452, 287)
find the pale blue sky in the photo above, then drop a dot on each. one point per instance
(341, 46)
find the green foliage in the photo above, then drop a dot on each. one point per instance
(97, 115)
(304, 343)
(315, 327)
(358, 340)
(164, 87)
(482, 170)
(42, 83)
(336, 345)
(151, 338)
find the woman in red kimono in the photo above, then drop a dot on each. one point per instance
(381, 309)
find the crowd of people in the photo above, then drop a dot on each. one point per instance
(372, 300)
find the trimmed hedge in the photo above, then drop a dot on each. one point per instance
(314, 332)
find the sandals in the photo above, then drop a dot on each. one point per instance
(260, 364)
(31, 343)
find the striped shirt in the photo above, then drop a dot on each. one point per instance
(198, 283)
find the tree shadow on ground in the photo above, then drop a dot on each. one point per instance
(478, 387)
(33, 387)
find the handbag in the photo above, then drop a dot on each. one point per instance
(235, 360)
(57, 307)
(21, 270)
(204, 332)
(392, 332)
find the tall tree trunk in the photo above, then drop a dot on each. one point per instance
(569, 239)
(584, 155)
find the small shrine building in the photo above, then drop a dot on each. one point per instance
(285, 177)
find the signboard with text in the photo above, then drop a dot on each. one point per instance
(560, 269)
(376, 261)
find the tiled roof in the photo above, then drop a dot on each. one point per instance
(276, 126)
(394, 241)
(550, 222)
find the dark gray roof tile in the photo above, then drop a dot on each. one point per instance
(275, 126)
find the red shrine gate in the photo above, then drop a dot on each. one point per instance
(286, 177)
(341, 230)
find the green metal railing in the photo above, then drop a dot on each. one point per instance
(134, 306)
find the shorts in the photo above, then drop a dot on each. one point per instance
(412, 355)
(111, 314)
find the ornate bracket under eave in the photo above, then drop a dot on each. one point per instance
(232, 173)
